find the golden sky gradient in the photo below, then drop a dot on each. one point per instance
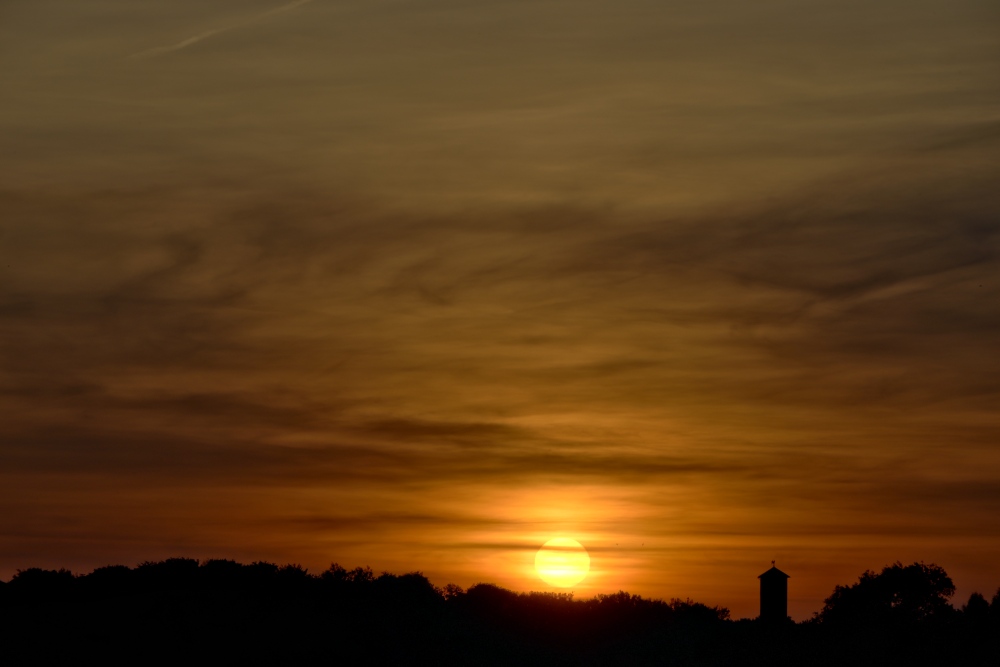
(421, 284)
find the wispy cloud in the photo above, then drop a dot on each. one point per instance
(184, 43)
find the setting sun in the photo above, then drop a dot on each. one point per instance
(562, 562)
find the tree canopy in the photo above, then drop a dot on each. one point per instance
(899, 594)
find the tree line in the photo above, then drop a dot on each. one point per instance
(262, 613)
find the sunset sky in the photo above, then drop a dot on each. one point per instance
(421, 284)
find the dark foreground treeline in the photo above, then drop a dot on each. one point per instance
(180, 611)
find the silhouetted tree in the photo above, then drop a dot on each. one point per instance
(109, 581)
(490, 595)
(222, 575)
(977, 608)
(336, 574)
(452, 591)
(38, 585)
(410, 588)
(693, 613)
(171, 574)
(897, 595)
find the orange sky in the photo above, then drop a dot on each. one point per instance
(421, 285)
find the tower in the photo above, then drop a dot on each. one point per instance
(773, 595)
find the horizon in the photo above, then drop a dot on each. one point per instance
(446, 591)
(429, 284)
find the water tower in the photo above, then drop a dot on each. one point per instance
(773, 596)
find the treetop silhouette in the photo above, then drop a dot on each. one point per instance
(899, 594)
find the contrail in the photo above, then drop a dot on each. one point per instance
(160, 50)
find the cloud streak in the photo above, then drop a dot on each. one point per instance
(184, 43)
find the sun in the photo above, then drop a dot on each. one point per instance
(562, 562)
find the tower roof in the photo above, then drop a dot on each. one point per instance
(773, 573)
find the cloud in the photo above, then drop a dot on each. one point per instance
(310, 319)
(184, 43)
(718, 278)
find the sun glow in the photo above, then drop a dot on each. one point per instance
(562, 562)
